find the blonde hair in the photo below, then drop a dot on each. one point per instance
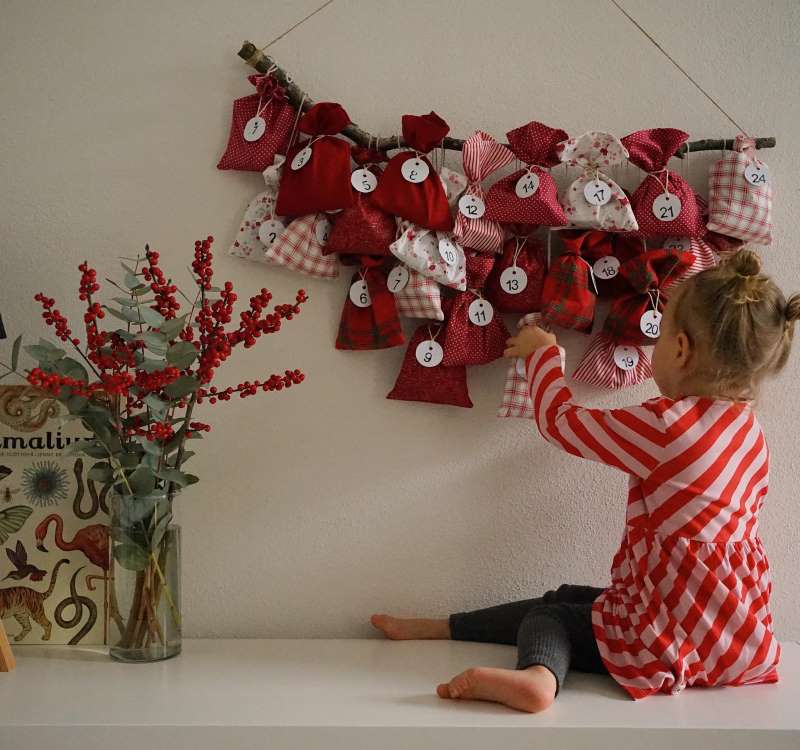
(739, 322)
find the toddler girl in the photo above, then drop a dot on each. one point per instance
(688, 602)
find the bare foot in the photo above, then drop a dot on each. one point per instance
(408, 629)
(531, 690)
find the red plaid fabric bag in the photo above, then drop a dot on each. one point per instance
(317, 172)
(432, 253)
(467, 342)
(261, 125)
(373, 322)
(515, 284)
(649, 276)
(415, 295)
(516, 394)
(434, 384)
(363, 228)
(567, 300)
(415, 192)
(740, 195)
(529, 195)
(607, 364)
(664, 203)
(482, 155)
(606, 251)
(260, 211)
(300, 247)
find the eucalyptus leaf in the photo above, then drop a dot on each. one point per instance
(159, 531)
(127, 314)
(128, 460)
(15, 352)
(76, 404)
(131, 557)
(101, 472)
(175, 476)
(152, 365)
(181, 354)
(151, 317)
(183, 386)
(91, 448)
(44, 355)
(154, 341)
(142, 481)
(157, 404)
(173, 327)
(71, 368)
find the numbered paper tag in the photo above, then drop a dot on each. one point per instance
(678, 243)
(626, 357)
(513, 280)
(606, 267)
(471, 206)
(429, 353)
(363, 180)
(397, 280)
(255, 128)
(597, 192)
(757, 173)
(447, 249)
(322, 231)
(415, 170)
(359, 294)
(269, 231)
(527, 185)
(481, 312)
(667, 207)
(650, 323)
(301, 158)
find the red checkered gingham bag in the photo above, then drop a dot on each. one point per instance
(269, 103)
(419, 297)
(300, 247)
(606, 364)
(738, 207)
(516, 394)
(482, 155)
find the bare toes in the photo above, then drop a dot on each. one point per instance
(443, 690)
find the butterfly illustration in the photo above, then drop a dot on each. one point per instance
(19, 559)
(12, 520)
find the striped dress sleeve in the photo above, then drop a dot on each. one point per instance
(630, 439)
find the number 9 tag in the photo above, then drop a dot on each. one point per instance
(429, 353)
(359, 294)
(269, 231)
(480, 312)
(650, 323)
(626, 357)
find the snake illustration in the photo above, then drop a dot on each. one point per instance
(79, 602)
(98, 501)
(25, 408)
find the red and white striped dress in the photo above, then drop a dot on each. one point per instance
(688, 602)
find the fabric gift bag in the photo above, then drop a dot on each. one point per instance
(423, 377)
(363, 228)
(415, 295)
(664, 203)
(517, 400)
(515, 284)
(473, 334)
(454, 184)
(740, 195)
(567, 300)
(701, 249)
(432, 253)
(594, 200)
(261, 125)
(607, 364)
(300, 247)
(482, 155)
(369, 316)
(606, 252)
(317, 172)
(529, 195)
(260, 226)
(410, 187)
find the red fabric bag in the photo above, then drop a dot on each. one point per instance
(664, 203)
(434, 384)
(423, 202)
(529, 195)
(515, 284)
(472, 335)
(648, 276)
(482, 155)
(316, 176)
(567, 300)
(607, 251)
(363, 228)
(478, 268)
(373, 323)
(268, 106)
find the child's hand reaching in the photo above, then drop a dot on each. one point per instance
(527, 341)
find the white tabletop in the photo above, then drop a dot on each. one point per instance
(308, 694)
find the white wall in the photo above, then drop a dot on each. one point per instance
(326, 503)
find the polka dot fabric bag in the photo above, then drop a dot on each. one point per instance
(594, 200)
(261, 125)
(516, 395)
(516, 281)
(529, 195)
(317, 172)
(260, 227)
(423, 376)
(664, 203)
(300, 247)
(410, 187)
(432, 253)
(740, 195)
(482, 155)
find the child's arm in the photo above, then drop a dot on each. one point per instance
(630, 439)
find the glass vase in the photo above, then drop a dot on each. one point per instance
(145, 579)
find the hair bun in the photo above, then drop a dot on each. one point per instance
(745, 262)
(792, 312)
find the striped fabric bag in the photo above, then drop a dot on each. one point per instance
(516, 396)
(482, 155)
(606, 364)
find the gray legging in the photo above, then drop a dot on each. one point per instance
(554, 631)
